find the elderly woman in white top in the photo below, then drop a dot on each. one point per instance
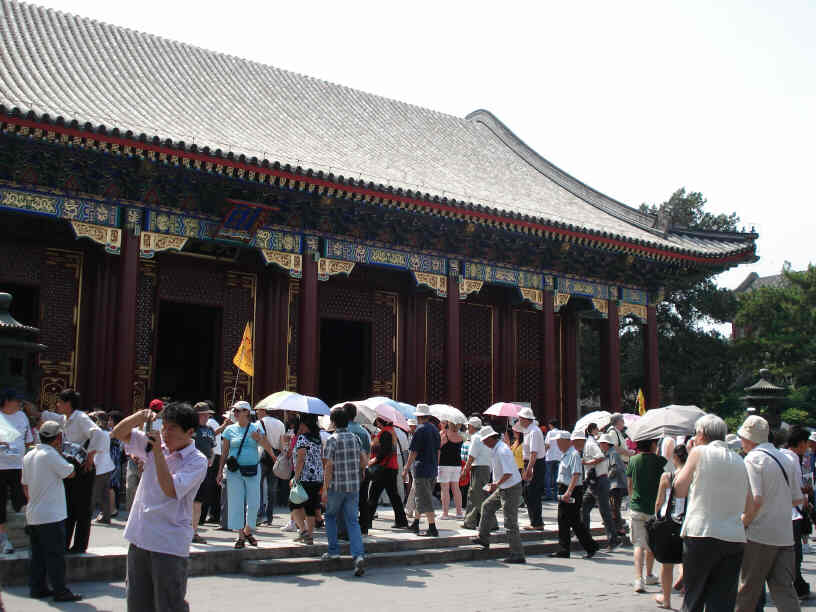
(715, 483)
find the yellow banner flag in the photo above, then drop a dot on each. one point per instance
(641, 402)
(243, 358)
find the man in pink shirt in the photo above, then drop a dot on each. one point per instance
(160, 528)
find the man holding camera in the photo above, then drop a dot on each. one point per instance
(44, 469)
(159, 527)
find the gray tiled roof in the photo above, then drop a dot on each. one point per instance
(755, 281)
(73, 67)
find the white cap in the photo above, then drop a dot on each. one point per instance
(488, 432)
(475, 422)
(578, 435)
(563, 434)
(422, 410)
(608, 438)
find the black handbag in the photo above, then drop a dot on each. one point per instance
(664, 535)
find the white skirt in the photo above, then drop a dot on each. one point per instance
(449, 473)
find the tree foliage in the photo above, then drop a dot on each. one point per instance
(780, 325)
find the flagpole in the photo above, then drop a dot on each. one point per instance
(235, 386)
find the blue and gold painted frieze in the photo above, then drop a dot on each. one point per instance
(278, 240)
(379, 256)
(503, 276)
(576, 286)
(163, 222)
(634, 296)
(81, 210)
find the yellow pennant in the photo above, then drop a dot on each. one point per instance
(641, 402)
(243, 358)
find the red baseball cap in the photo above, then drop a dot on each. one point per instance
(156, 405)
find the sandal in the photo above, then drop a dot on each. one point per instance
(239, 543)
(251, 540)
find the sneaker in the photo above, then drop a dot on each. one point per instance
(639, 586)
(359, 566)
(651, 579)
(290, 527)
(329, 557)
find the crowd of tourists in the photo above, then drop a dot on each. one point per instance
(724, 514)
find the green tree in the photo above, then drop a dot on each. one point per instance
(696, 362)
(780, 325)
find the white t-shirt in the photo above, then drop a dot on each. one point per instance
(102, 460)
(43, 472)
(274, 429)
(213, 424)
(593, 451)
(551, 441)
(798, 482)
(11, 456)
(482, 455)
(534, 442)
(505, 463)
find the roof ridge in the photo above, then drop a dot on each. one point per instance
(603, 202)
(225, 55)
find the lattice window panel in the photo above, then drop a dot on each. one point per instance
(384, 330)
(529, 344)
(437, 330)
(183, 279)
(20, 263)
(342, 302)
(477, 354)
(145, 309)
(527, 385)
(239, 309)
(292, 342)
(528, 358)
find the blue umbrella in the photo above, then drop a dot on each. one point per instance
(302, 403)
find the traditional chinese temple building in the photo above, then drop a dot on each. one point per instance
(155, 197)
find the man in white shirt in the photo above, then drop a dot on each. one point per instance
(571, 491)
(596, 466)
(103, 465)
(536, 471)
(11, 462)
(504, 491)
(553, 458)
(478, 463)
(797, 445)
(273, 430)
(81, 430)
(768, 554)
(43, 471)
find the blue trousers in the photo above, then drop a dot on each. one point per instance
(244, 498)
(535, 491)
(345, 505)
(551, 481)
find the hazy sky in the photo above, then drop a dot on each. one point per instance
(635, 99)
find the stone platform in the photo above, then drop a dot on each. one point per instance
(277, 554)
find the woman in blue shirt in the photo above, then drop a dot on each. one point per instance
(240, 448)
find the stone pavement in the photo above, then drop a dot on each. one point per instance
(545, 584)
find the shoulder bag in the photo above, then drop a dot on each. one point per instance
(234, 466)
(283, 467)
(664, 534)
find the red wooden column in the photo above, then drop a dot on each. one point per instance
(549, 356)
(651, 362)
(125, 354)
(309, 322)
(610, 359)
(569, 322)
(453, 346)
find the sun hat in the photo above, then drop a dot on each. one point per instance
(475, 422)
(488, 432)
(49, 429)
(608, 438)
(526, 413)
(422, 410)
(578, 435)
(243, 405)
(203, 408)
(563, 434)
(755, 429)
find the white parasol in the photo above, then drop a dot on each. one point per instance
(663, 422)
(443, 412)
(600, 417)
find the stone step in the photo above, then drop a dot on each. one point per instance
(108, 564)
(423, 556)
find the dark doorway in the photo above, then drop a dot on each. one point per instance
(188, 352)
(345, 360)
